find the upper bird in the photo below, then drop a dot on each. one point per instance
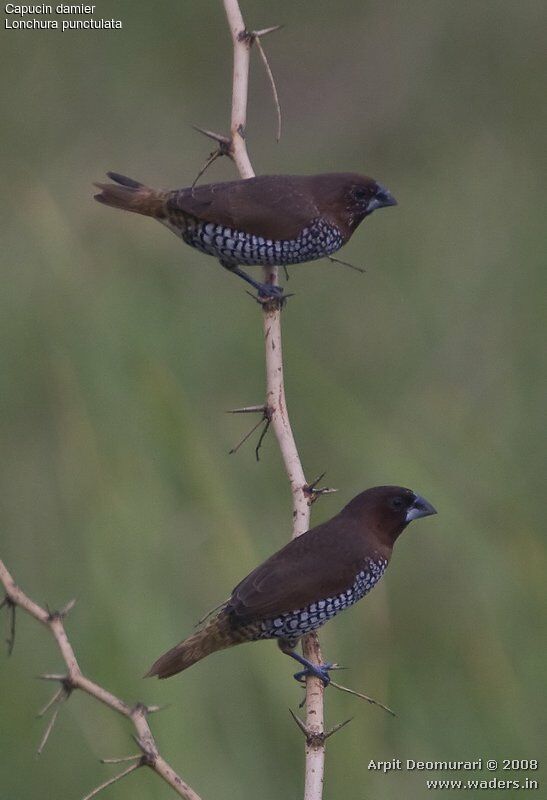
(307, 582)
(272, 220)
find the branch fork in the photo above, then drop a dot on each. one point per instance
(75, 679)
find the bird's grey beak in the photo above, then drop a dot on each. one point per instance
(381, 199)
(419, 508)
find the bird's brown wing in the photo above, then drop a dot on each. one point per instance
(272, 206)
(321, 563)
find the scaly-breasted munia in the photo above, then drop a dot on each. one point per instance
(270, 220)
(307, 582)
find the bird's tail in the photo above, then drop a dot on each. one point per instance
(217, 635)
(131, 196)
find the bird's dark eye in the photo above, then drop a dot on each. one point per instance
(397, 503)
(361, 194)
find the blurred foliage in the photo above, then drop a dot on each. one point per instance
(122, 350)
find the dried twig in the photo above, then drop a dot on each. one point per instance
(56, 701)
(210, 160)
(269, 73)
(262, 421)
(370, 700)
(121, 760)
(75, 679)
(115, 779)
(334, 260)
(8, 603)
(262, 436)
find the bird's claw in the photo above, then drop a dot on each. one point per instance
(320, 671)
(269, 290)
(268, 294)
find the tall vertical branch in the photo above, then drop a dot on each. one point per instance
(276, 403)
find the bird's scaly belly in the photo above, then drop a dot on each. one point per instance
(232, 247)
(294, 624)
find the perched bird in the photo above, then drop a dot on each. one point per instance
(270, 220)
(307, 582)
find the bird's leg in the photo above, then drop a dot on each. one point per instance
(263, 289)
(320, 671)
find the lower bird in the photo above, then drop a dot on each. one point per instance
(307, 582)
(271, 220)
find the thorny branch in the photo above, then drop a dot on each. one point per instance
(276, 404)
(274, 411)
(74, 679)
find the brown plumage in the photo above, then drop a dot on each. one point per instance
(268, 220)
(308, 581)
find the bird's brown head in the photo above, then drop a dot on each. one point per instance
(347, 198)
(385, 511)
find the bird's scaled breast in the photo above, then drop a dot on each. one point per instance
(294, 624)
(317, 240)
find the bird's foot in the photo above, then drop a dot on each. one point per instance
(267, 292)
(320, 671)
(268, 295)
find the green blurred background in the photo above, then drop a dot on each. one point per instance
(122, 350)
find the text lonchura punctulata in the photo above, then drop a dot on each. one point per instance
(272, 220)
(307, 582)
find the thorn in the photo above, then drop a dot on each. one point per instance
(265, 420)
(336, 728)
(346, 264)
(313, 493)
(216, 137)
(269, 73)
(286, 271)
(50, 677)
(363, 697)
(248, 410)
(266, 31)
(247, 436)
(311, 486)
(10, 606)
(59, 698)
(108, 783)
(262, 437)
(48, 730)
(120, 760)
(67, 609)
(299, 722)
(212, 157)
(155, 709)
(56, 697)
